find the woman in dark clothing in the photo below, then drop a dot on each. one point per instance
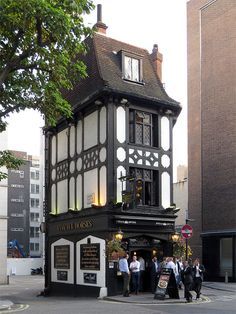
(187, 278)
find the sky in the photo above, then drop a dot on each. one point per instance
(143, 24)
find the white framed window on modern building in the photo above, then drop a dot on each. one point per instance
(34, 188)
(34, 202)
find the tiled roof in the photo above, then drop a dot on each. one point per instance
(104, 68)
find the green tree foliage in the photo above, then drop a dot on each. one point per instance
(9, 161)
(179, 248)
(39, 44)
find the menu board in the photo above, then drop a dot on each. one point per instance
(90, 256)
(162, 284)
(166, 284)
(62, 256)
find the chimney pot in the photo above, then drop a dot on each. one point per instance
(99, 13)
(100, 27)
(157, 58)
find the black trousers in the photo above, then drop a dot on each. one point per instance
(197, 285)
(125, 284)
(187, 294)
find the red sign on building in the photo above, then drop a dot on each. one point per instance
(187, 231)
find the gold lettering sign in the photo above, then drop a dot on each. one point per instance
(84, 224)
(90, 256)
(62, 256)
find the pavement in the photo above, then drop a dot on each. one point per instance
(142, 298)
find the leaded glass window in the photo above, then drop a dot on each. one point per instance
(143, 128)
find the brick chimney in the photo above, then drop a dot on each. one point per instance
(157, 58)
(100, 27)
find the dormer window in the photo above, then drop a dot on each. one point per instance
(132, 67)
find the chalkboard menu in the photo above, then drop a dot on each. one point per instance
(166, 284)
(90, 256)
(62, 256)
(162, 284)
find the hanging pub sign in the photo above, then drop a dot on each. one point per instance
(166, 284)
(90, 256)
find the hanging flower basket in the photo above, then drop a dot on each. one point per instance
(114, 250)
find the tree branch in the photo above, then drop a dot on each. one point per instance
(9, 110)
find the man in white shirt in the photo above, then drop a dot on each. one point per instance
(142, 270)
(135, 273)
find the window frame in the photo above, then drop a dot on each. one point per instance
(132, 56)
(152, 183)
(153, 125)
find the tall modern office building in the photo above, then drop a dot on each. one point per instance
(212, 133)
(25, 207)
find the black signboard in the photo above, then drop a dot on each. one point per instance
(62, 256)
(62, 275)
(166, 285)
(90, 278)
(90, 256)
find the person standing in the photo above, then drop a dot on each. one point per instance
(154, 273)
(124, 269)
(135, 273)
(187, 279)
(142, 271)
(198, 270)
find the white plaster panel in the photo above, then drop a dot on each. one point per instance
(53, 150)
(90, 186)
(120, 172)
(91, 130)
(101, 274)
(62, 145)
(53, 199)
(79, 137)
(72, 166)
(79, 164)
(70, 277)
(165, 161)
(53, 174)
(62, 196)
(72, 141)
(103, 125)
(103, 185)
(121, 154)
(120, 124)
(165, 186)
(165, 133)
(72, 193)
(103, 154)
(79, 192)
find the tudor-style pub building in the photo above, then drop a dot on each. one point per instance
(109, 169)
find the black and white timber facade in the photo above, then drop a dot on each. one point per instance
(121, 132)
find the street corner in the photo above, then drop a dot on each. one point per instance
(145, 299)
(6, 306)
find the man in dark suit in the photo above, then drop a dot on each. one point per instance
(154, 273)
(198, 270)
(187, 279)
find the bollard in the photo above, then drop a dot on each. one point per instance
(7, 279)
(226, 277)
